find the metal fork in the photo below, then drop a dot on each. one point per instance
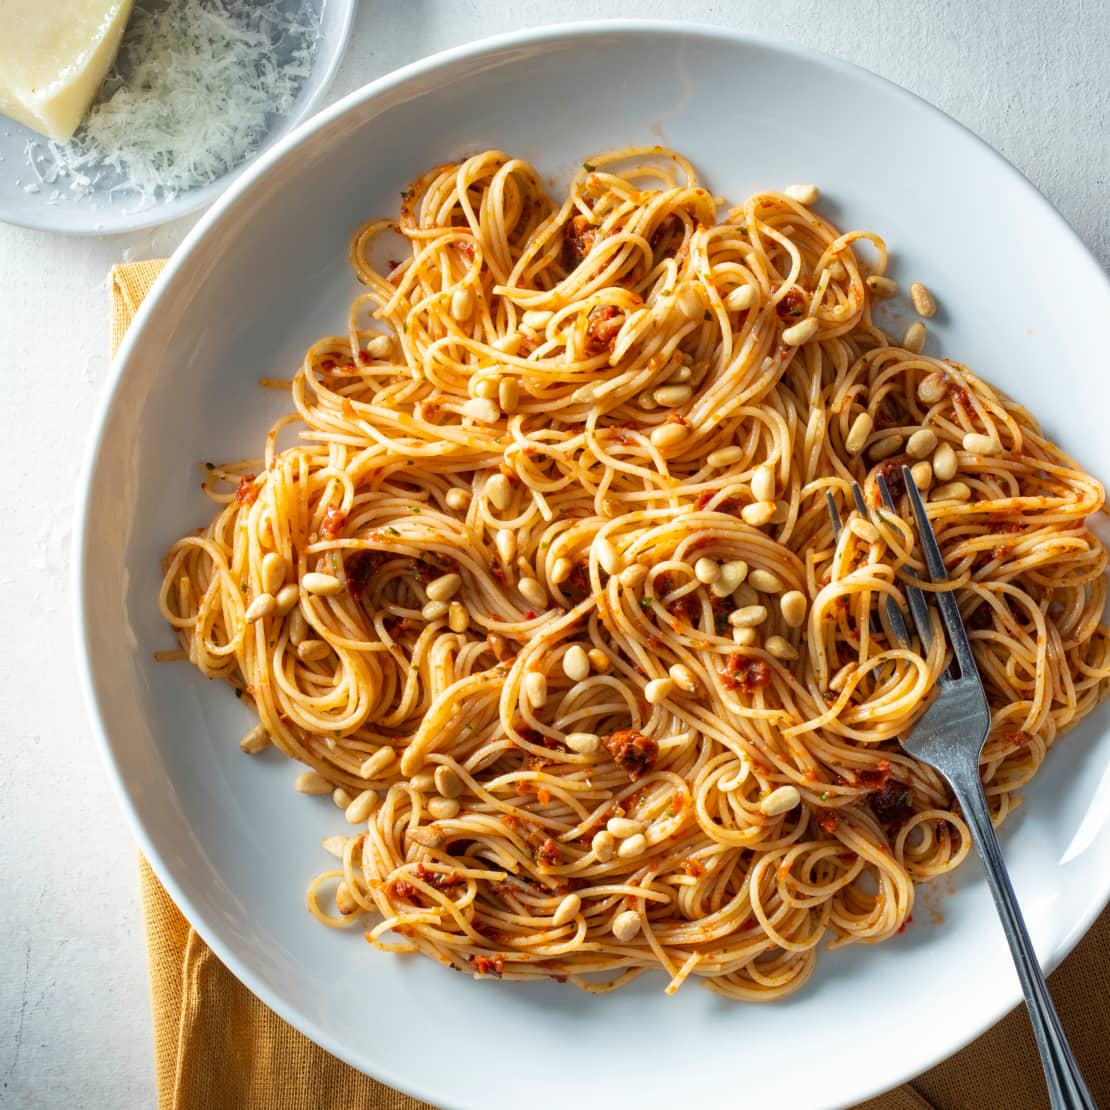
(949, 738)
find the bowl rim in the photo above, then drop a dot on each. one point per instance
(188, 202)
(1008, 995)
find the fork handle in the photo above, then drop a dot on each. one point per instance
(1066, 1088)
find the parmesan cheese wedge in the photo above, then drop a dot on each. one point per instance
(54, 55)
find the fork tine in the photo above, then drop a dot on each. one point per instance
(946, 600)
(834, 513)
(895, 619)
(919, 606)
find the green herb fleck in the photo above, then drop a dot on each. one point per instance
(708, 315)
(336, 733)
(209, 466)
(238, 693)
(391, 531)
(588, 168)
(646, 602)
(825, 796)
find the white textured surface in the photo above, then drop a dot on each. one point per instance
(74, 1011)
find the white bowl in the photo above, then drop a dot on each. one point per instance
(102, 212)
(265, 273)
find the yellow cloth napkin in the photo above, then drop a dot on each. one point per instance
(217, 1046)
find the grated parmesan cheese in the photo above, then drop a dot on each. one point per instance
(196, 88)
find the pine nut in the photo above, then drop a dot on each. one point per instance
(668, 435)
(566, 911)
(561, 571)
(335, 845)
(632, 847)
(741, 298)
(922, 300)
(584, 743)
(535, 689)
(624, 827)
(462, 304)
(671, 396)
(881, 286)
(443, 809)
(262, 606)
(322, 585)
(361, 807)
(309, 651)
(744, 595)
(309, 782)
(922, 473)
(801, 332)
(443, 588)
(381, 346)
(803, 194)
(707, 570)
(724, 456)
(505, 542)
(780, 648)
(932, 388)
(731, 577)
(864, 529)
(273, 572)
(434, 610)
(298, 628)
(921, 444)
(536, 318)
(507, 344)
(689, 302)
(499, 491)
(532, 591)
(604, 846)
(758, 513)
(375, 764)
(793, 604)
(425, 782)
(607, 555)
(286, 598)
(945, 463)
(763, 483)
(344, 900)
(508, 394)
(599, 661)
(750, 616)
(765, 582)
(426, 837)
(626, 925)
(255, 741)
(977, 444)
(457, 499)
(782, 800)
(483, 409)
(576, 663)
(458, 619)
(857, 436)
(885, 447)
(914, 338)
(953, 491)
(484, 388)
(658, 690)
(683, 677)
(744, 637)
(447, 781)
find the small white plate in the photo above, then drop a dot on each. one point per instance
(266, 272)
(53, 207)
